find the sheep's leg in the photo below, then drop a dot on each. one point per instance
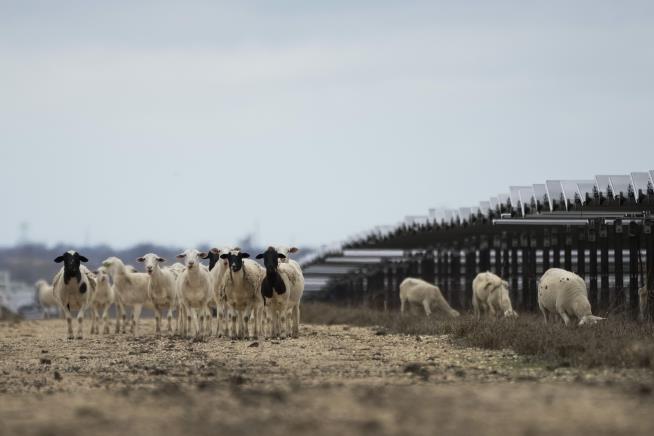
(545, 317)
(120, 313)
(157, 319)
(80, 322)
(295, 331)
(136, 313)
(425, 304)
(105, 319)
(95, 320)
(475, 307)
(234, 324)
(220, 319)
(69, 322)
(209, 322)
(170, 319)
(566, 318)
(402, 304)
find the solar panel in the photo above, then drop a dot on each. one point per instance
(586, 190)
(555, 195)
(485, 207)
(571, 192)
(527, 199)
(603, 184)
(465, 213)
(640, 181)
(542, 200)
(620, 185)
(495, 203)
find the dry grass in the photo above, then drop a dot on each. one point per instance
(614, 343)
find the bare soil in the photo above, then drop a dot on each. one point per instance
(332, 380)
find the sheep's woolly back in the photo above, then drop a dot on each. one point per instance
(564, 292)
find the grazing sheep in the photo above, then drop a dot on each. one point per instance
(277, 290)
(161, 288)
(565, 293)
(131, 290)
(491, 294)
(418, 291)
(103, 297)
(45, 297)
(73, 286)
(242, 285)
(194, 291)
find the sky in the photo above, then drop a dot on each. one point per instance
(193, 122)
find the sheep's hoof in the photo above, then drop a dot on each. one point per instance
(71, 336)
(79, 336)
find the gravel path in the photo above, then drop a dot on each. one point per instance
(333, 379)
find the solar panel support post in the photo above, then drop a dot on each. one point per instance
(513, 240)
(556, 249)
(455, 277)
(567, 250)
(592, 247)
(617, 299)
(649, 274)
(634, 270)
(604, 294)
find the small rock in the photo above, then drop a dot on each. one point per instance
(381, 333)
(418, 339)
(418, 370)
(57, 376)
(253, 344)
(44, 351)
(45, 361)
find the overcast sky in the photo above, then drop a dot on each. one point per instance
(187, 122)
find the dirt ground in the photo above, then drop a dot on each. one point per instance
(332, 380)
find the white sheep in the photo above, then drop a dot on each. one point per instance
(161, 288)
(218, 267)
(297, 289)
(490, 294)
(418, 291)
(282, 289)
(194, 288)
(242, 284)
(565, 293)
(131, 290)
(45, 297)
(73, 286)
(102, 299)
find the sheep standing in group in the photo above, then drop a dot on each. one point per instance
(418, 291)
(490, 294)
(280, 290)
(297, 288)
(564, 293)
(131, 290)
(45, 297)
(73, 287)
(218, 267)
(194, 292)
(242, 285)
(102, 299)
(161, 288)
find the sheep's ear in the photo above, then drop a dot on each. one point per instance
(224, 256)
(203, 254)
(181, 256)
(281, 256)
(215, 251)
(141, 259)
(244, 255)
(160, 259)
(293, 250)
(259, 256)
(82, 258)
(59, 259)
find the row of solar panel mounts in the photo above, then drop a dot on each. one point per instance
(551, 196)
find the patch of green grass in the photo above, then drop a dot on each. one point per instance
(615, 342)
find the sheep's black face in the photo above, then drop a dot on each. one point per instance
(271, 259)
(235, 260)
(214, 257)
(71, 260)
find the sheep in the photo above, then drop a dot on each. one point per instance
(296, 290)
(491, 294)
(281, 289)
(45, 297)
(73, 286)
(242, 285)
(131, 290)
(161, 288)
(194, 291)
(218, 267)
(413, 290)
(565, 293)
(103, 297)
